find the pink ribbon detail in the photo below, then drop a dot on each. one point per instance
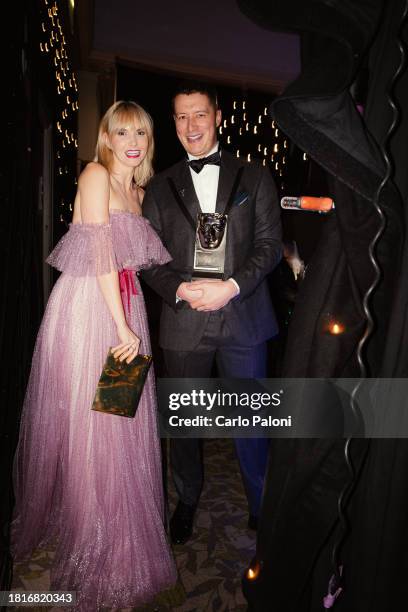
(127, 284)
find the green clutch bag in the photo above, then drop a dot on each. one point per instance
(120, 385)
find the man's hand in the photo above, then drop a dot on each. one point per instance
(189, 292)
(215, 294)
(291, 254)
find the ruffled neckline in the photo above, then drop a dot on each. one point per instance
(112, 212)
(125, 212)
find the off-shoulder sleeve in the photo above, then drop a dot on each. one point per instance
(85, 250)
(137, 246)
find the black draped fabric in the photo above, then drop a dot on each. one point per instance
(299, 522)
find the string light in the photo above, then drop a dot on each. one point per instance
(246, 123)
(54, 43)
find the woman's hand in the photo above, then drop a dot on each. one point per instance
(129, 344)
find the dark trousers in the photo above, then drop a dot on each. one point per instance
(232, 361)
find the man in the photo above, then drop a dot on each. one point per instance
(227, 319)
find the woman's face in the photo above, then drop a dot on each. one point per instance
(129, 144)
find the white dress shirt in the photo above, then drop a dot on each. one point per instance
(206, 183)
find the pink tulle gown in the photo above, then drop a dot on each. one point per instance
(89, 481)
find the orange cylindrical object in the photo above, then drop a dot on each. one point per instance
(310, 203)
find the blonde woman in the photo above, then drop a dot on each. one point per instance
(92, 481)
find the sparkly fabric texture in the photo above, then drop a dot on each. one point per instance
(87, 249)
(89, 481)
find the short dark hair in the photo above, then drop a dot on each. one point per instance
(189, 87)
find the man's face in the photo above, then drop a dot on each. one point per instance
(211, 230)
(196, 123)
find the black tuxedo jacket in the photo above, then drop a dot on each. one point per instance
(253, 250)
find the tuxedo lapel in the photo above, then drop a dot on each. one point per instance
(228, 173)
(185, 187)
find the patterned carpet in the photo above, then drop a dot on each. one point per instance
(212, 562)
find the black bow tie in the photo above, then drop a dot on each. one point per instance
(198, 164)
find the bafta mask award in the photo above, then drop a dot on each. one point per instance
(209, 254)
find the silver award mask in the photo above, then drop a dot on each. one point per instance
(209, 254)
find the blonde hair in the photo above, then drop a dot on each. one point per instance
(118, 115)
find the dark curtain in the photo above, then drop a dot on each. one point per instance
(299, 522)
(21, 300)
(32, 107)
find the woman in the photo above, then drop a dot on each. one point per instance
(88, 480)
